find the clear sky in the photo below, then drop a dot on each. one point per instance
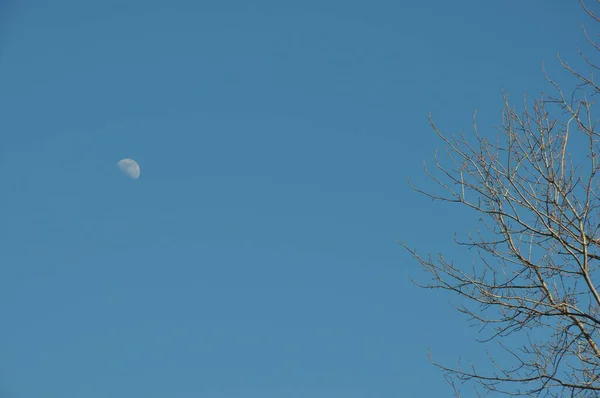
(256, 256)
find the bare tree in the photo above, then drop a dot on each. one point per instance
(536, 187)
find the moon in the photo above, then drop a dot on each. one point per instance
(129, 167)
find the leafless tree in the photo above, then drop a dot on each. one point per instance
(536, 186)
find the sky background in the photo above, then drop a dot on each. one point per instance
(256, 256)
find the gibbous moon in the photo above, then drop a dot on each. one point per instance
(129, 167)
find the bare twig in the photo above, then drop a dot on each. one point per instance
(537, 191)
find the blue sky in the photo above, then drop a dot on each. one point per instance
(257, 254)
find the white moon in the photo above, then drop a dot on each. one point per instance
(129, 167)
